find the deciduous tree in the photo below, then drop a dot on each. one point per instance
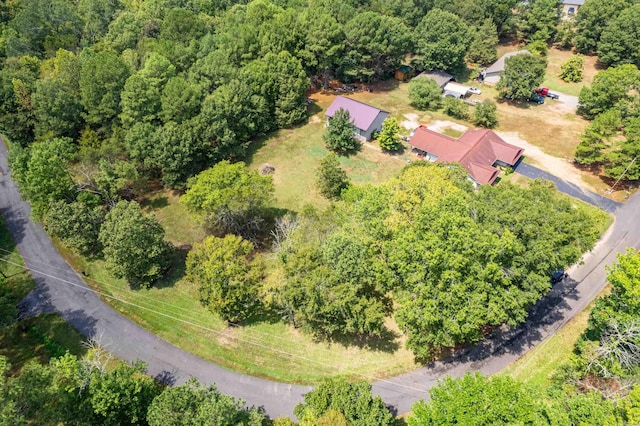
(388, 138)
(228, 276)
(425, 93)
(620, 40)
(485, 114)
(230, 198)
(195, 404)
(571, 70)
(521, 76)
(353, 400)
(477, 400)
(76, 224)
(592, 18)
(134, 246)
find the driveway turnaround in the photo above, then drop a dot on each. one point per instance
(569, 188)
(60, 289)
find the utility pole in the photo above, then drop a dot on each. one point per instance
(622, 175)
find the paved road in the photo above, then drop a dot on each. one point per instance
(572, 189)
(93, 318)
(82, 308)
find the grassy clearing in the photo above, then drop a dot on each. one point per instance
(555, 58)
(538, 365)
(34, 338)
(180, 226)
(265, 348)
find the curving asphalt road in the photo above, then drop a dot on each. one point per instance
(60, 289)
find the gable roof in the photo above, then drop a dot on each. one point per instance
(476, 150)
(456, 88)
(498, 65)
(362, 115)
(440, 77)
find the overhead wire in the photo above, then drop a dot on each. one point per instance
(329, 367)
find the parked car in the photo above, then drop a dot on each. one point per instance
(558, 276)
(475, 90)
(349, 87)
(539, 99)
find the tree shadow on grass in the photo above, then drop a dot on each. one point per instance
(386, 342)
(156, 203)
(177, 268)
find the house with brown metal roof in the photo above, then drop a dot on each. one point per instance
(478, 151)
(365, 118)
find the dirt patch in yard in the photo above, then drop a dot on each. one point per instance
(554, 165)
(441, 125)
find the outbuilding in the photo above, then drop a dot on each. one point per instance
(455, 90)
(366, 119)
(440, 77)
(492, 74)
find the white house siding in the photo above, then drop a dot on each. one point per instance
(376, 126)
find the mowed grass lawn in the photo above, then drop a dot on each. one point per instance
(268, 349)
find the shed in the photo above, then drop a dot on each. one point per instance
(492, 74)
(403, 73)
(456, 90)
(366, 119)
(440, 77)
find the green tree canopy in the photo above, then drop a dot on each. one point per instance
(485, 114)
(521, 76)
(443, 41)
(76, 224)
(331, 180)
(425, 93)
(41, 174)
(477, 400)
(375, 46)
(340, 133)
(353, 400)
(571, 71)
(230, 198)
(195, 404)
(227, 275)
(134, 246)
(388, 138)
(592, 18)
(484, 47)
(102, 78)
(620, 40)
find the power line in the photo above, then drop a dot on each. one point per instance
(154, 301)
(240, 339)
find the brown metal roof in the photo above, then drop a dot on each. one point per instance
(476, 150)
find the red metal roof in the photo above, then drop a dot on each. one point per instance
(476, 150)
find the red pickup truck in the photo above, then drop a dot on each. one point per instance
(544, 91)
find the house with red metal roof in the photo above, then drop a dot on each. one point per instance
(365, 118)
(478, 151)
